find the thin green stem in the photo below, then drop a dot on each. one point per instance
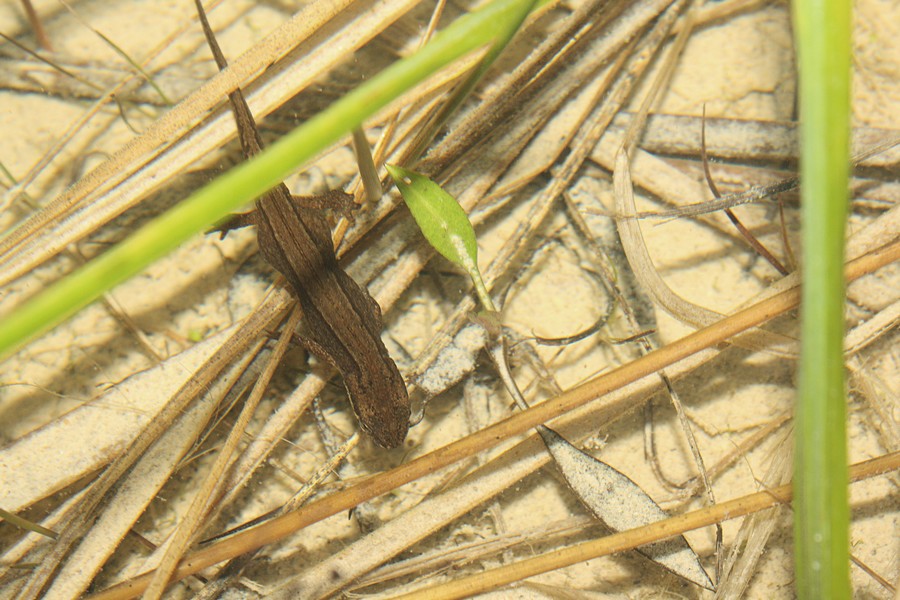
(821, 506)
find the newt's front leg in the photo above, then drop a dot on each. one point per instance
(234, 221)
(338, 201)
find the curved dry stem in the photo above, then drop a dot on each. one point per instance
(630, 230)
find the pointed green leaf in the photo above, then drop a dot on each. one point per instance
(441, 219)
(443, 223)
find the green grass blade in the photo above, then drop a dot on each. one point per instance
(821, 508)
(247, 181)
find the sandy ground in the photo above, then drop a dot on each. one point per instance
(742, 68)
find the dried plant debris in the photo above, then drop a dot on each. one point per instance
(621, 504)
(611, 496)
(110, 424)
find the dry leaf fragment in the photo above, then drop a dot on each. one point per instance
(621, 504)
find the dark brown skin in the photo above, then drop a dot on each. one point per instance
(341, 322)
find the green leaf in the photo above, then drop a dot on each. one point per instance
(443, 223)
(440, 217)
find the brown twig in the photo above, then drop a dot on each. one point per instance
(746, 233)
(35, 20)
